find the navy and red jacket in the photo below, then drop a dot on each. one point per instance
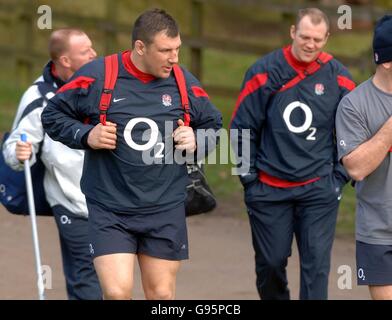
(292, 127)
(120, 179)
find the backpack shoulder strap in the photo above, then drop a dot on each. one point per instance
(180, 79)
(323, 59)
(111, 73)
(320, 61)
(46, 90)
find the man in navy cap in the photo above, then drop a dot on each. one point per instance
(364, 135)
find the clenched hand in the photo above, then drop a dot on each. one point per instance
(103, 137)
(23, 150)
(184, 137)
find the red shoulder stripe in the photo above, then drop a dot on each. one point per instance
(79, 82)
(346, 83)
(251, 86)
(199, 92)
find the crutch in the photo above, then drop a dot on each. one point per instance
(30, 197)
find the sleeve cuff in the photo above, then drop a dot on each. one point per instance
(248, 178)
(83, 135)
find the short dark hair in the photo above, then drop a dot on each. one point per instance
(315, 15)
(151, 22)
(59, 41)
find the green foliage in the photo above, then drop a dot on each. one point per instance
(225, 68)
(9, 98)
(387, 4)
(346, 216)
(349, 43)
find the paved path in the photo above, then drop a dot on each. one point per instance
(220, 265)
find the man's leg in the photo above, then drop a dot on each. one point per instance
(315, 222)
(115, 273)
(81, 279)
(272, 236)
(158, 277)
(113, 249)
(381, 292)
(161, 247)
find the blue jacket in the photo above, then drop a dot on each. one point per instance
(292, 128)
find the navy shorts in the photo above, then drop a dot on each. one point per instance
(374, 264)
(161, 235)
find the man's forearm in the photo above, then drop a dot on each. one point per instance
(366, 158)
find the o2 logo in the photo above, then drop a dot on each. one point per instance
(306, 126)
(153, 140)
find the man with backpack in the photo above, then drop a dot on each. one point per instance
(288, 101)
(127, 112)
(69, 49)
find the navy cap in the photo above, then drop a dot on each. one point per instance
(382, 40)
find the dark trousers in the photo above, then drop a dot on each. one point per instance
(80, 276)
(277, 214)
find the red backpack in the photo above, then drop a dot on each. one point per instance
(200, 198)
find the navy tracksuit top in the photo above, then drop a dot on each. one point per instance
(141, 105)
(292, 130)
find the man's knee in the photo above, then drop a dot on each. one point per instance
(117, 293)
(160, 293)
(271, 263)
